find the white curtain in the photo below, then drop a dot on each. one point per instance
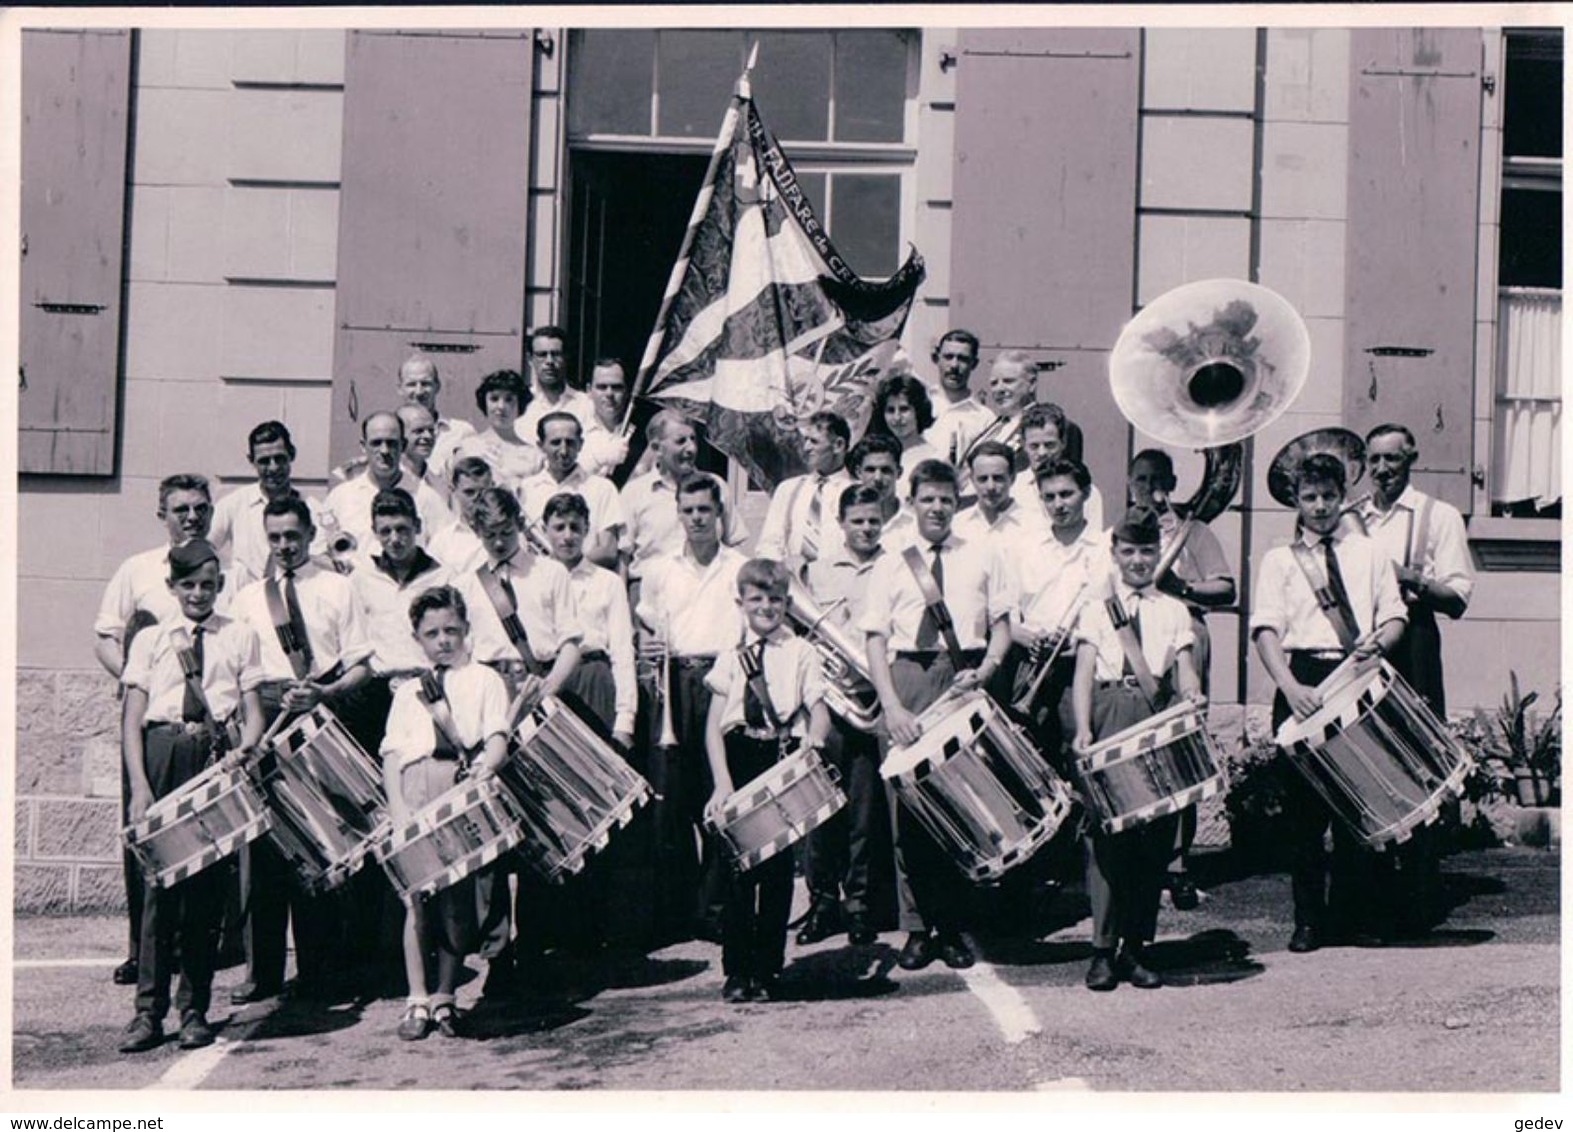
(1528, 448)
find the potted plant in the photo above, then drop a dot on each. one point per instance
(1525, 748)
(1255, 807)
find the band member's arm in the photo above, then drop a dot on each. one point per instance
(715, 752)
(1081, 694)
(1391, 616)
(1185, 669)
(306, 695)
(999, 644)
(106, 650)
(250, 719)
(1211, 592)
(562, 668)
(818, 725)
(493, 754)
(1303, 700)
(393, 787)
(133, 718)
(1431, 593)
(1387, 637)
(603, 549)
(902, 723)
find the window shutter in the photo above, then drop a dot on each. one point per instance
(76, 94)
(1042, 247)
(1414, 186)
(433, 216)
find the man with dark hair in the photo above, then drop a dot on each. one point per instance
(605, 446)
(799, 525)
(997, 514)
(236, 530)
(1043, 432)
(348, 507)
(1301, 644)
(958, 417)
(137, 596)
(551, 392)
(561, 440)
(458, 547)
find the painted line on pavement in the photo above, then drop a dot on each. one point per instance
(29, 964)
(1005, 1004)
(191, 1069)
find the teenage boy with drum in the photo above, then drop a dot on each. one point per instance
(1133, 651)
(1301, 644)
(760, 691)
(453, 714)
(173, 730)
(933, 606)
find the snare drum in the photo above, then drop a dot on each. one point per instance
(1157, 767)
(326, 796)
(460, 831)
(572, 788)
(779, 808)
(1376, 754)
(206, 820)
(978, 785)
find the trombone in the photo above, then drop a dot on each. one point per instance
(1061, 634)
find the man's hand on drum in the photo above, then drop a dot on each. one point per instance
(624, 740)
(1367, 647)
(1303, 700)
(301, 697)
(968, 679)
(723, 791)
(1082, 741)
(532, 690)
(140, 801)
(903, 725)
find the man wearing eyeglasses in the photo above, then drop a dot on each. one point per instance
(551, 392)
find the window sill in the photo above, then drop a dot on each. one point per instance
(1516, 545)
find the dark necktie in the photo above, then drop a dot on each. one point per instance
(442, 746)
(928, 630)
(191, 707)
(1335, 577)
(1133, 606)
(816, 514)
(506, 582)
(754, 713)
(297, 621)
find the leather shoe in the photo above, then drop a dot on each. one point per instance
(917, 953)
(194, 1030)
(1183, 893)
(1129, 967)
(126, 974)
(1304, 939)
(1100, 974)
(821, 924)
(445, 1018)
(955, 952)
(247, 993)
(735, 989)
(858, 931)
(144, 1033)
(767, 989)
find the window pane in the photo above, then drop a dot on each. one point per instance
(871, 86)
(1530, 254)
(866, 221)
(813, 185)
(697, 70)
(609, 81)
(1532, 115)
(792, 84)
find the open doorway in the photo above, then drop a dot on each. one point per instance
(627, 217)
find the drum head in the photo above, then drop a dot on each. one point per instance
(1151, 723)
(1336, 706)
(954, 727)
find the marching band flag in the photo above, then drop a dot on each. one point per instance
(763, 322)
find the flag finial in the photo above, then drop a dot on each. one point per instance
(744, 90)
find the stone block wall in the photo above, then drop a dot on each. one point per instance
(67, 831)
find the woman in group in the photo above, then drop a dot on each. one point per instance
(902, 409)
(501, 397)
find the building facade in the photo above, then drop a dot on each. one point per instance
(221, 227)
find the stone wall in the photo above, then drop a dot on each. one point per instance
(68, 792)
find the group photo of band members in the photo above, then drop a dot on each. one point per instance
(478, 705)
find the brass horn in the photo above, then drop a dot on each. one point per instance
(1210, 363)
(1340, 442)
(850, 693)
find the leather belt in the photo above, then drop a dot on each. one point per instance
(758, 734)
(192, 727)
(693, 661)
(594, 654)
(1318, 654)
(1122, 682)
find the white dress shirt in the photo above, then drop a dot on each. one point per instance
(477, 699)
(793, 680)
(450, 431)
(230, 666)
(602, 603)
(598, 492)
(976, 592)
(692, 606)
(1047, 575)
(238, 535)
(511, 464)
(1165, 630)
(385, 609)
(602, 451)
(542, 601)
(348, 508)
(956, 425)
(141, 583)
(1285, 602)
(788, 518)
(652, 526)
(839, 584)
(573, 401)
(1444, 557)
(334, 627)
(1012, 528)
(458, 548)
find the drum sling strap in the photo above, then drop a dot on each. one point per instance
(1131, 645)
(500, 593)
(289, 625)
(448, 744)
(934, 603)
(191, 672)
(1332, 600)
(753, 664)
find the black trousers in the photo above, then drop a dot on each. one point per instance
(1125, 871)
(1329, 894)
(179, 929)
(131, 870)
(277, 905)
(931, 891)
(847, 861)
(690, 878)
(757, 903)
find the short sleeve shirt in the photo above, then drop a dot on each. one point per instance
(793, 680)
(477, 698)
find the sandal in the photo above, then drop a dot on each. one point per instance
(416, 1023)
(445, 1017)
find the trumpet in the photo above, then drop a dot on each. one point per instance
(1061, 633)
(656, 659)
(851, 692)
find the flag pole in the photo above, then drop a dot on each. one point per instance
(680, 268)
